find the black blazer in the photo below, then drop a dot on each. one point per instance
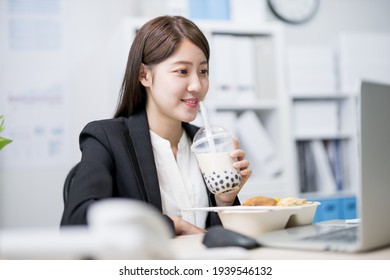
(117, 161)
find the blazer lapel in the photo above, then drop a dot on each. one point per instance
(140, 140)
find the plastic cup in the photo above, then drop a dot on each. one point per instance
(212, 149)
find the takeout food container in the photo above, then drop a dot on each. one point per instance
(254, 220)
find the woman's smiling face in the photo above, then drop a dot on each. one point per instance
(176, 85)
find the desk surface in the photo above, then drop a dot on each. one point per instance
(191, 247)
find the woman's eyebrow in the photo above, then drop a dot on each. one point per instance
(188, 62)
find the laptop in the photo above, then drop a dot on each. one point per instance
(372, 230)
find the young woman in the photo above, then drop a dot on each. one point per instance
(144, 152)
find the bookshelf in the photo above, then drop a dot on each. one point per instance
(326, 152)
(247, 96)
(323, 82)
(333, 124)
(324, 130)
(323, 85)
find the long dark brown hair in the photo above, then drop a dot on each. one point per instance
(154, 42)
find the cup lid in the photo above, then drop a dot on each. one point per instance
(218, 135)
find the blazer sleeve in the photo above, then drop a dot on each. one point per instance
(93, 179)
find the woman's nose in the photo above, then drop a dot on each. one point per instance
(195, 84)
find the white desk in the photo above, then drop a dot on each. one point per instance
(191, 247)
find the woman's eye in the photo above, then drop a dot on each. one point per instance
(183, 72)
(204, 72)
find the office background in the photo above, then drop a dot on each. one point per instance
(73, 74)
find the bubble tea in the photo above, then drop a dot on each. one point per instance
(212, 147)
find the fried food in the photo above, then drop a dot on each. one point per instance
(260, 201)
(291, 201)
(269, 201)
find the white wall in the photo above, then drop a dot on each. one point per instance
(31, 197)
(335, 16)
(92, 39)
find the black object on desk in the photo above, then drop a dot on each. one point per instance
(218, 236)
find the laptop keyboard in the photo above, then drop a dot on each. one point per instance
(344, 235)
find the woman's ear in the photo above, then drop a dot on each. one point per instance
(145, 76)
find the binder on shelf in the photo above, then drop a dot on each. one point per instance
(336, 162)
(302, 167)
(306, 166)
(325, 180)
(223, 64)
(245, 67)
(259, 148)
(265, 67)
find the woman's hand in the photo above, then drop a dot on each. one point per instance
(227, 199)
(183, 227)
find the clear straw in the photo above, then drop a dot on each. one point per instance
(207, 126)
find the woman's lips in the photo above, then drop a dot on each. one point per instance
(191, 102)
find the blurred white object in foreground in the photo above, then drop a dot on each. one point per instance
(117, 229)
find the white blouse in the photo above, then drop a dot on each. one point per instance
(181, 182)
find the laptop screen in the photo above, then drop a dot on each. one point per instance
(374, 194)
